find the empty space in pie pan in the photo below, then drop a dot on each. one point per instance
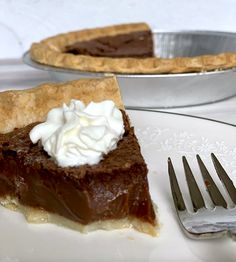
(169, 90)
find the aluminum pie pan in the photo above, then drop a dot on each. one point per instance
(169, 90)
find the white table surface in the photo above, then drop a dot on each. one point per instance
(15, 75)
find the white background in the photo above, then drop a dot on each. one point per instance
(25, 21)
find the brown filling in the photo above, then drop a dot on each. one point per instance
(115, 188)
(134, 44)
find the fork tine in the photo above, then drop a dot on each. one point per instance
(228, 183)
(195, 193)
(176, 193)
(212, 189)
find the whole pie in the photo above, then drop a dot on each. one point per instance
(110, 194)
(125, 48)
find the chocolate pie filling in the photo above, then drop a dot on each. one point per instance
(117, 187)
(134, 44)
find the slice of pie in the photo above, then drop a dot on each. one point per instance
(125, 48)
(110, 194)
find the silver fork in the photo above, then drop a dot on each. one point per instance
(205, 222)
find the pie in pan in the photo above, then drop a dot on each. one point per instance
(125, 48)
(111, 194)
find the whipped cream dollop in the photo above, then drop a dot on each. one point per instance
(76, 134)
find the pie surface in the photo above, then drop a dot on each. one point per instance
(90, 50)
(134, 44)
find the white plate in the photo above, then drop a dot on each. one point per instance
(161, 135)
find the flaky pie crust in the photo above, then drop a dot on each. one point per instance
(40, 216)
(50, 52)
(19, 108)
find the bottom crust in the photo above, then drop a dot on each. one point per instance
(40, 216)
